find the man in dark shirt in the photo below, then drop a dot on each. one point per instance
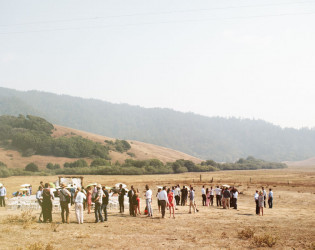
(130, 195)
(121, 197)
(105, 201)
(226, 197)
(184, 196)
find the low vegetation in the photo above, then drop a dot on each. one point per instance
(137, 167)
(266, 240)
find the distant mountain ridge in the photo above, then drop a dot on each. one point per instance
(220, 139)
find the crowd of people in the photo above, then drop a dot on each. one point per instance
(168, 198)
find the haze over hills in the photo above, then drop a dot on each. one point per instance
(220, 139)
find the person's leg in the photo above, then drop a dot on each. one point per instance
(271, 202)
(264, 201)
(96, 213)
(1, 200)
(62, 205)
(100, 213)
(67, 213)
(105, 212)
(262, 211)
(77, 212)
(123, 205)
(228, 203)
(257, 207)
(235, 203)
(163, 205)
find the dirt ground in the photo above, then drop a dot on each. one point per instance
(290, 224)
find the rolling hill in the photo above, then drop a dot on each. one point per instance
(142, 151)
(217, 138)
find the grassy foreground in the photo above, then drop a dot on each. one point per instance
(290, 224)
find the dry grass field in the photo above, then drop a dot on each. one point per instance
(289, 225)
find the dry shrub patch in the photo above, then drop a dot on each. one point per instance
(246, 233)
(25, 219)
(38, 246)
(265, 240)
(54, 226)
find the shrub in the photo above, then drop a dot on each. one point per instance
(265, 240)
(100, 162)
(52, 166)
(76, 164)
(32, 167)
(246, 233)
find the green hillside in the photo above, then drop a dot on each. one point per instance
(216, 138)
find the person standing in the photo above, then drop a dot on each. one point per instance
(105, 200)
(162, 196)
(204, 197)
(192, 203)
(207, 197)
(39, 199)
(47, 204)
(270, 198)
(89, 198)
(184, 196)
(177, 195)
(226, 198)
(148, 199)
(79, 198)
(256, 201)
(211, 196)
(3, 193)
(158, 201)
(218, 195)
(65, 197)
(121, 197)
(170, 197)
(265, 195)
(131, 193)
(261, 201)
(98, 200)
(235, 195)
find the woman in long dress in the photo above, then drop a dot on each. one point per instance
(89, 199)
(170, 197)
(47, 204)
(207, 197)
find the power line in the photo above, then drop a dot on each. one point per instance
(162, 22)
(155, 13)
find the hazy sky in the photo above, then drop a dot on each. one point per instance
(249, 59)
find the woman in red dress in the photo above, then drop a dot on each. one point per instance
(170, 197)
(89, 199)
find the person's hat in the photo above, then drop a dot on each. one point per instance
(62, 185)
(99, 185)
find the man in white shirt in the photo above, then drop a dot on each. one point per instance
(218, 195)
(265, 195)
(177, 195)
(270, 198)
(79, 197)
(256, 201)
(3, 193)
(235, 195)
(162, 196)
(148, 200)
(39, 198)
(203, 194)
(211, 196)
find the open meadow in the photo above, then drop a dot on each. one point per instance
(288, 225)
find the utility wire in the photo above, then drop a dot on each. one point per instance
(155, 13)
(162, 22)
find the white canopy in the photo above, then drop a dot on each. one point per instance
(118, 184)
(25, 185)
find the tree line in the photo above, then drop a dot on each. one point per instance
(101, 166)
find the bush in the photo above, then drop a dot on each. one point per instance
(265, 240)
(4, 171)
(31, 167)
(100, 162)
(52, 166)
(76, 164)
(246, 233)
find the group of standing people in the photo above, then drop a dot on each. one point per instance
(260, 200)
(225, 196)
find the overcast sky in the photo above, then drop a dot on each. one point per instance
(249, 59)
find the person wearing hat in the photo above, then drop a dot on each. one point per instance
(3, 193)
(98, 204)
(65, 197)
